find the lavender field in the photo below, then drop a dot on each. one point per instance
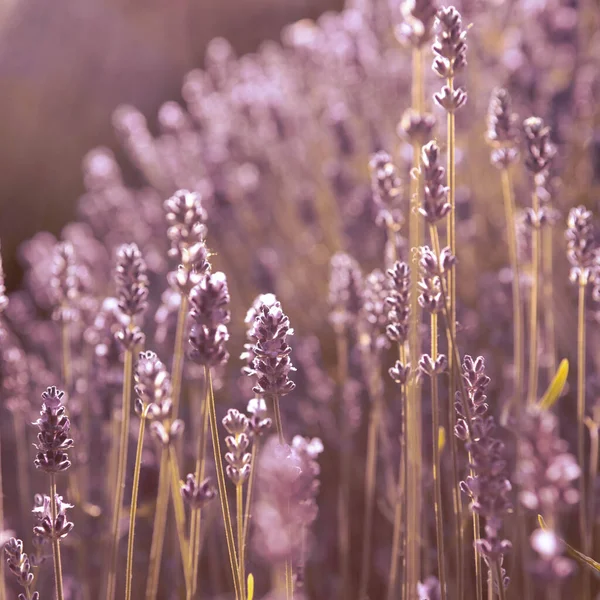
(338, 338)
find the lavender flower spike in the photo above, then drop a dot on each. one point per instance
(53, 437)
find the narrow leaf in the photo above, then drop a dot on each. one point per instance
(581, 558)
(250, 586)
(556, 386)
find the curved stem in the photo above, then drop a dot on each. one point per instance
(239, 512)
(120, 481)
(222, 488)
(133, 504)
(55, 541)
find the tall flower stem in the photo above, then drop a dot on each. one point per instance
(178, 357)
(453, 349)
(533, 310)
(370, 477)
(239, 512)
(400, 504)
(179, 510)
(233, 560)
(548, 301)
(581, 342)
(278, 422)
(413, 409)
(55, 542)
(120, 481)
(158, 529)
(196, 519)
(250, 490)
(437, 483)
(2, 581)
(509, 211)
(451, 236)
(133, 504)
(343, 512)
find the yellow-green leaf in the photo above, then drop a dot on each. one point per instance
(556, 386)
(580, 557)
(250, 586)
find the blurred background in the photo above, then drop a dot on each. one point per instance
(64, 68)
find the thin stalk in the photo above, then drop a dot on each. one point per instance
(239, 512)
(533, 310)
(196, 520)
(581, 422)
(222, 489)
(66, 356)
(250, 490)
(509, 211)
(2, 580)
(133, 505)
(179, 510)
(497, 572)
(158, 530)
(278, 423)
(343, 512)
(120, 482)
(592, 476)
(451, 234)
(370, 480)
(55, 542)
(179, 355)
(400, 504)
(413, 411)
(548, 301)
(437, 483)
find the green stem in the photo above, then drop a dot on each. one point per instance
(197, 513)
(400, 503)
(120, 481)
(250, 490)
(179, 355)
(437, 483)
(158, 530)
(179, 510)
(533, 310)
(133, 505)
(548, 301)
(581, 343)
(55, 541)
(223, 490)
(370, 480)
(239, 511)
(343, 512)
(278, 423)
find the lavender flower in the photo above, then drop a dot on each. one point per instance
(53, 437)
(418, 17)
(237, 457)
(132, 293)
(502, 132)
(430, 286)
(152, 382)
(398, 302)
(259, 422)
(416, 128)
(49, 528)
(272, 364)
(20, 566)
(248, 354)
(450, 49)
(345, 291)
(487, 486)
(375, 315)
(582, 248)
(540, 150)
(387, 188)
(287, 485)
(65, 283)
(209, 311)
(435, 193)
(197, 495)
